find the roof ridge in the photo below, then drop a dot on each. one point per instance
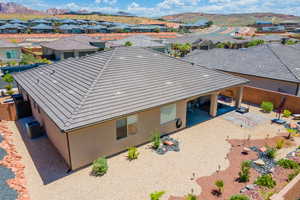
(281, 61)
(76, 110)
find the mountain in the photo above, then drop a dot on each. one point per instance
(12, 8)
(231, 19)
(55, 11)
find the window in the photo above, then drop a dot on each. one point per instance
(167, 113)
(11, 54)
(126, 126)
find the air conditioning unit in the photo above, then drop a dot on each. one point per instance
(34, 129)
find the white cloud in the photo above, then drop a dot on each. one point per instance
(73, 6)
(110, 2)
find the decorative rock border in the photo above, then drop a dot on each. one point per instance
(12, 161)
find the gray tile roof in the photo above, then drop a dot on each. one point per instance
(79, 42)
(138, 41)
(99, 87)
(275, 61)
(5, 44)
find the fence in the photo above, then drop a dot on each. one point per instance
(11, 69)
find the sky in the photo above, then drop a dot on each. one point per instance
(155, 8)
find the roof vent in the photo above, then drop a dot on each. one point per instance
(297, 68)
(119, 93)
(121, 58)
(54, 81)
(168, 82)
(52, 72)
(141, 57)
(38, 81)
(71, 91)
(205, 75)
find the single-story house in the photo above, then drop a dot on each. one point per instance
(272, 66)
(42, 28)
(139, 41)
(101, 104)
(17, 21)
(35, 22)
(74, 46)
(68, 22)
(261, 23)
(66, 28)
(203, 23)
(290, 25)
(272, 29)
(13, 28)
(9, 51)
(94, 29)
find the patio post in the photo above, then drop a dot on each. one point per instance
(213, 104)
(239, 97)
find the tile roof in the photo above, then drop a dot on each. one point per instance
(275, 61)
(80, 92)
(79, 42)
(42, 27)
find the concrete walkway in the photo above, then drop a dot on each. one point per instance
(203, 149)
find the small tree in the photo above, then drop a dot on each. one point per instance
(245, 171)
(220, 185)
(156, 195)
(9, 79)
(128, 44)
(267, 106)
(291, 131)
(132, 153)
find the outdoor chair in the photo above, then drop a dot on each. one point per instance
(278, 121)
(296, 116)
(242, 110)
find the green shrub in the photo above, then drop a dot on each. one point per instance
(292, 175)
(132, 153)
(265, 180)
(244, 174)
(239, 197)
(128, 44)
(10, 92)
(280, 144)
(220, 185)
(8, 87)
(157, 195)
(288, 164)
(271, 152)
(291, 131)
(191, 197)
(156, 140)
(286, 113)
(100, 166)
(267, 106)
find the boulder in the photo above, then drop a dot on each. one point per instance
(250, 187)
(259, 162)
(263, 149)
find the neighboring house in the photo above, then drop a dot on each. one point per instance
(273, 66)
(9, 51)
(193, 39)
(68, 22)
(40, 21)
(42, 28)
(290, 25)
(203, 23)
(13, 28)
(270, 37)
(74, 46)
(261, 23)
(272, 29)
(139, 41)
(104, 103)
(94, 29)
(66, 28)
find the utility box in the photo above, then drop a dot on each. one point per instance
(34, 129)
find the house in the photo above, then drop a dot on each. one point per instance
(17, 21)
(9, 51)
(203, 23)
(40, 21)
(290, 25)
(272, 66)
(261, 23)
(68, 22)
(74, 46)
(42, 28)
(101, 104)
(94, 29)
(139, 41)
(193, 39)
(272, 29)
(70, 29)
(13, 28)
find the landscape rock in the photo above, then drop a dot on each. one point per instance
(260, 162)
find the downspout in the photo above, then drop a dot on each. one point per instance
(69, 152)
(298, 90)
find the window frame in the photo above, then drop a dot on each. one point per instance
(127, 130)
(175, 112)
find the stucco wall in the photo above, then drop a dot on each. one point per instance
(89, 143)
(290, 192)
(270, 84)
(58, 138)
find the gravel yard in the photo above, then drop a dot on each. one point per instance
(203, 148)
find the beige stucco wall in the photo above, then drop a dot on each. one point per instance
(270, 84)
(58, 139)
(290, 192)
(89, 143)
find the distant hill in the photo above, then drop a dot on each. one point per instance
(231, 19)
(12, 8)
(55, 11)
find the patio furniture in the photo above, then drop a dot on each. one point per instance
(296, 116)
(278, 121)
(242, 110)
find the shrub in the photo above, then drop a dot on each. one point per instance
(271, 152)
(288, 164)
(220, 185)
(157, 195)
(245, 172)
(286, 113)
(292, 175)
(191, 197)
(239, 197)
(132, 153)
(280, 143)
(10, 92)
(100, 166)
(156, 140)
(128, 44)
(291, 131)
(265, 180)
(267, 106)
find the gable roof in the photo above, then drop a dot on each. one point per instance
(275, 61)
(42, 27)
(78, 42)
(139, 41)
(80, 92)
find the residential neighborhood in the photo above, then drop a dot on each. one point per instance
(172, 100)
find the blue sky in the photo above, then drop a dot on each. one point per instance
(153, 8)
